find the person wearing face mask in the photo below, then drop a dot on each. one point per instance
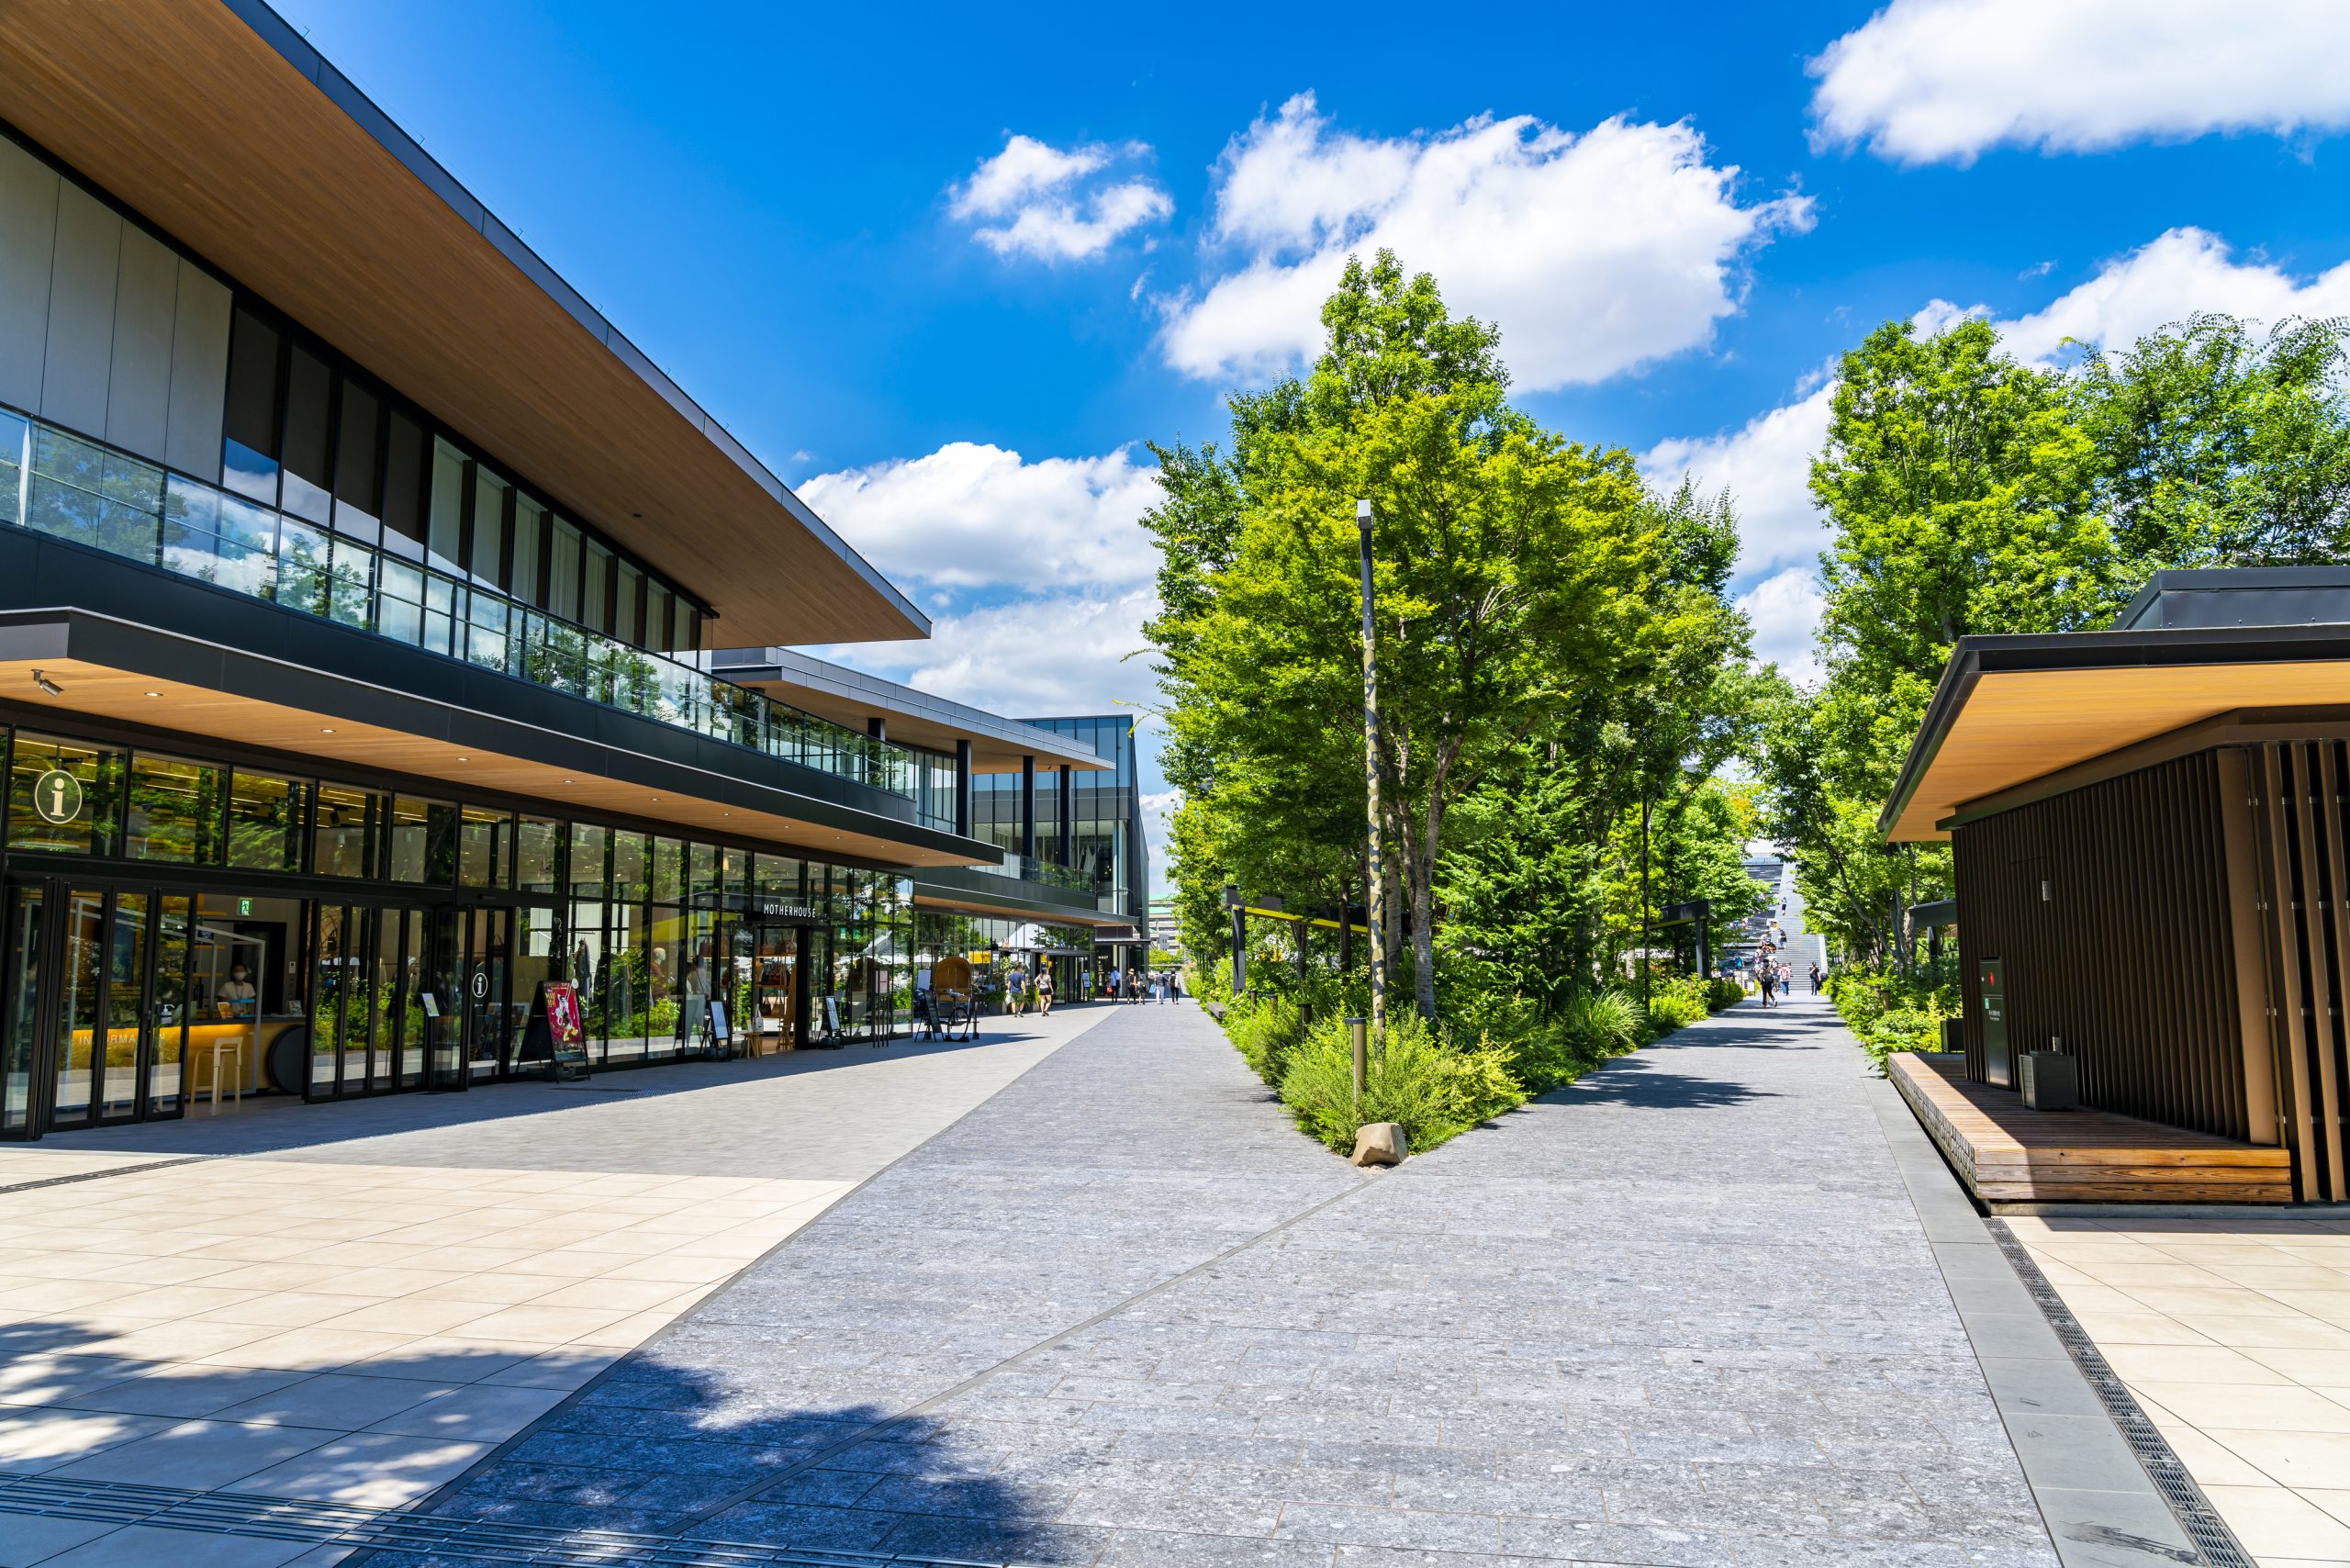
(238, 991)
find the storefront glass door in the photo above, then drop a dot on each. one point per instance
(17, 1032)
(490, 1039)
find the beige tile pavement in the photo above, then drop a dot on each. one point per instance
(2234, 1335)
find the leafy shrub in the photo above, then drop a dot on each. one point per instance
(1432, 1089)
(1888, 1012)
(1721, 993)
(1265, 1031)
(1670, 1010)
(1601, 1024)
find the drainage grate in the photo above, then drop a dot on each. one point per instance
(406, 1534)
(101, 1175)
(2216, 1545)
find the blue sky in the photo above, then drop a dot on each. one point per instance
(946, 270)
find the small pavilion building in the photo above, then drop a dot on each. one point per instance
(2152, 852)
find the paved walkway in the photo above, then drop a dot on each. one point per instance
(1683, 1313)
(355, 1303)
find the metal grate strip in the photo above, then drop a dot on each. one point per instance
(407, 1534)
(101, 1175)
(2215, 1543)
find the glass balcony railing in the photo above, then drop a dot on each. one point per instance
(1029, 868)
(69, 487)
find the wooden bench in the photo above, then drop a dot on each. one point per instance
(2007, 1154)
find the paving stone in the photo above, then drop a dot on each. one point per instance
(1682, 1313)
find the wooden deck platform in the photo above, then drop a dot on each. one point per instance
(2007, 1154)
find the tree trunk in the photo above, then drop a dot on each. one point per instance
(1423, 936)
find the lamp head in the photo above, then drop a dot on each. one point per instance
(1362, 515)
(41, 679)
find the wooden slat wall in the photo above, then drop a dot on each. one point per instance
(2129, 961)
(2304, 910)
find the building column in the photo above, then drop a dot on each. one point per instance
(1028, 807)
(1068, 820)
(963, 789)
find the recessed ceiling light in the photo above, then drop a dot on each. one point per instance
(326, 731)
(567, 781)
(154, 694)
(656, 800)
(464, 760)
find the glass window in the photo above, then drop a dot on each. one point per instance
(486, 838)
(701, 872)
(628, 605)
(537, 843)
(249, 447)
(628, 866)
(488, 551)
(77, 811)
(448, 501)
(302, 567)
(357, 474)
(265, 821)
(174, 809)
(656, 616)
(424, 840)
(530, 534)
(343, 841)
(404, 461)
(595, 591)
(564, 558)
(681, 626)
(588, 843)
(218, 538)
(13, 435)
(309, 385)
(667, 869)
(84, 492)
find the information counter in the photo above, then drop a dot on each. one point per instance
(250, 1037)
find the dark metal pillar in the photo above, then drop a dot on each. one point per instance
(878, 727)
(1028, 807)
(1066, 805)
(963, 789)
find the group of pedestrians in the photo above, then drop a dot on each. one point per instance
(1140, 985)
(1779, 981)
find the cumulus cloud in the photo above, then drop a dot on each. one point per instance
(1045, 654)
(2181, 273)
(1034, 199)
(1766, 464)
(1942, 81)
(969, 515)
(1594, 253)
(1785, 609)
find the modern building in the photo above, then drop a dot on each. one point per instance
(1166, 929)
(1057, 796)
(359, 590)
(2148, 831)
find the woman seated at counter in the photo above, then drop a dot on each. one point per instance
(238, 995)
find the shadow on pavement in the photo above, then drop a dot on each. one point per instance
(648, 1449)
(1652, 1083)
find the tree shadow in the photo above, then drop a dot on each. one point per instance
(478, 1436)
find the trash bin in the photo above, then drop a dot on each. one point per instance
(1954, 1035)
(2052, 1082)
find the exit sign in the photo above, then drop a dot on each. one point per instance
(244, 906)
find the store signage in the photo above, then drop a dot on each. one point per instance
(244, 906)
(557, 1035)
(57, 797)
(779, 909)
(481, 985)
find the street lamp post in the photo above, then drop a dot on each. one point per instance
(1377, 890)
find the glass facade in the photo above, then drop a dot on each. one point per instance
(461, 564)
(393, 931)
(1108, 849)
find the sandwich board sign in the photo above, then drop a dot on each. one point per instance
(557, 1034)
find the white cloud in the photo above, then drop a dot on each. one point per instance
(1784, 611)
(1766, 464)
(1047, 654)
(1933, 80)
(2182, 272)
(968, 515)
(1593, 253)
(1033, 199)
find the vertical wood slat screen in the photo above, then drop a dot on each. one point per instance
(2298, 810)
(2128, 960)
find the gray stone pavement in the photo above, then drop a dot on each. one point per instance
(1682, 1313)
(812, 1115)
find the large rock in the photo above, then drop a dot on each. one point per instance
(1381, 1143)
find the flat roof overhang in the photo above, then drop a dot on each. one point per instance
(1012, 907)
(217, 122)
(851, 697)
(193, 691)
(2012, 709)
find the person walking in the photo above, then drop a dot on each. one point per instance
(1768, 976)
(1109, 985)
(1815, 980)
